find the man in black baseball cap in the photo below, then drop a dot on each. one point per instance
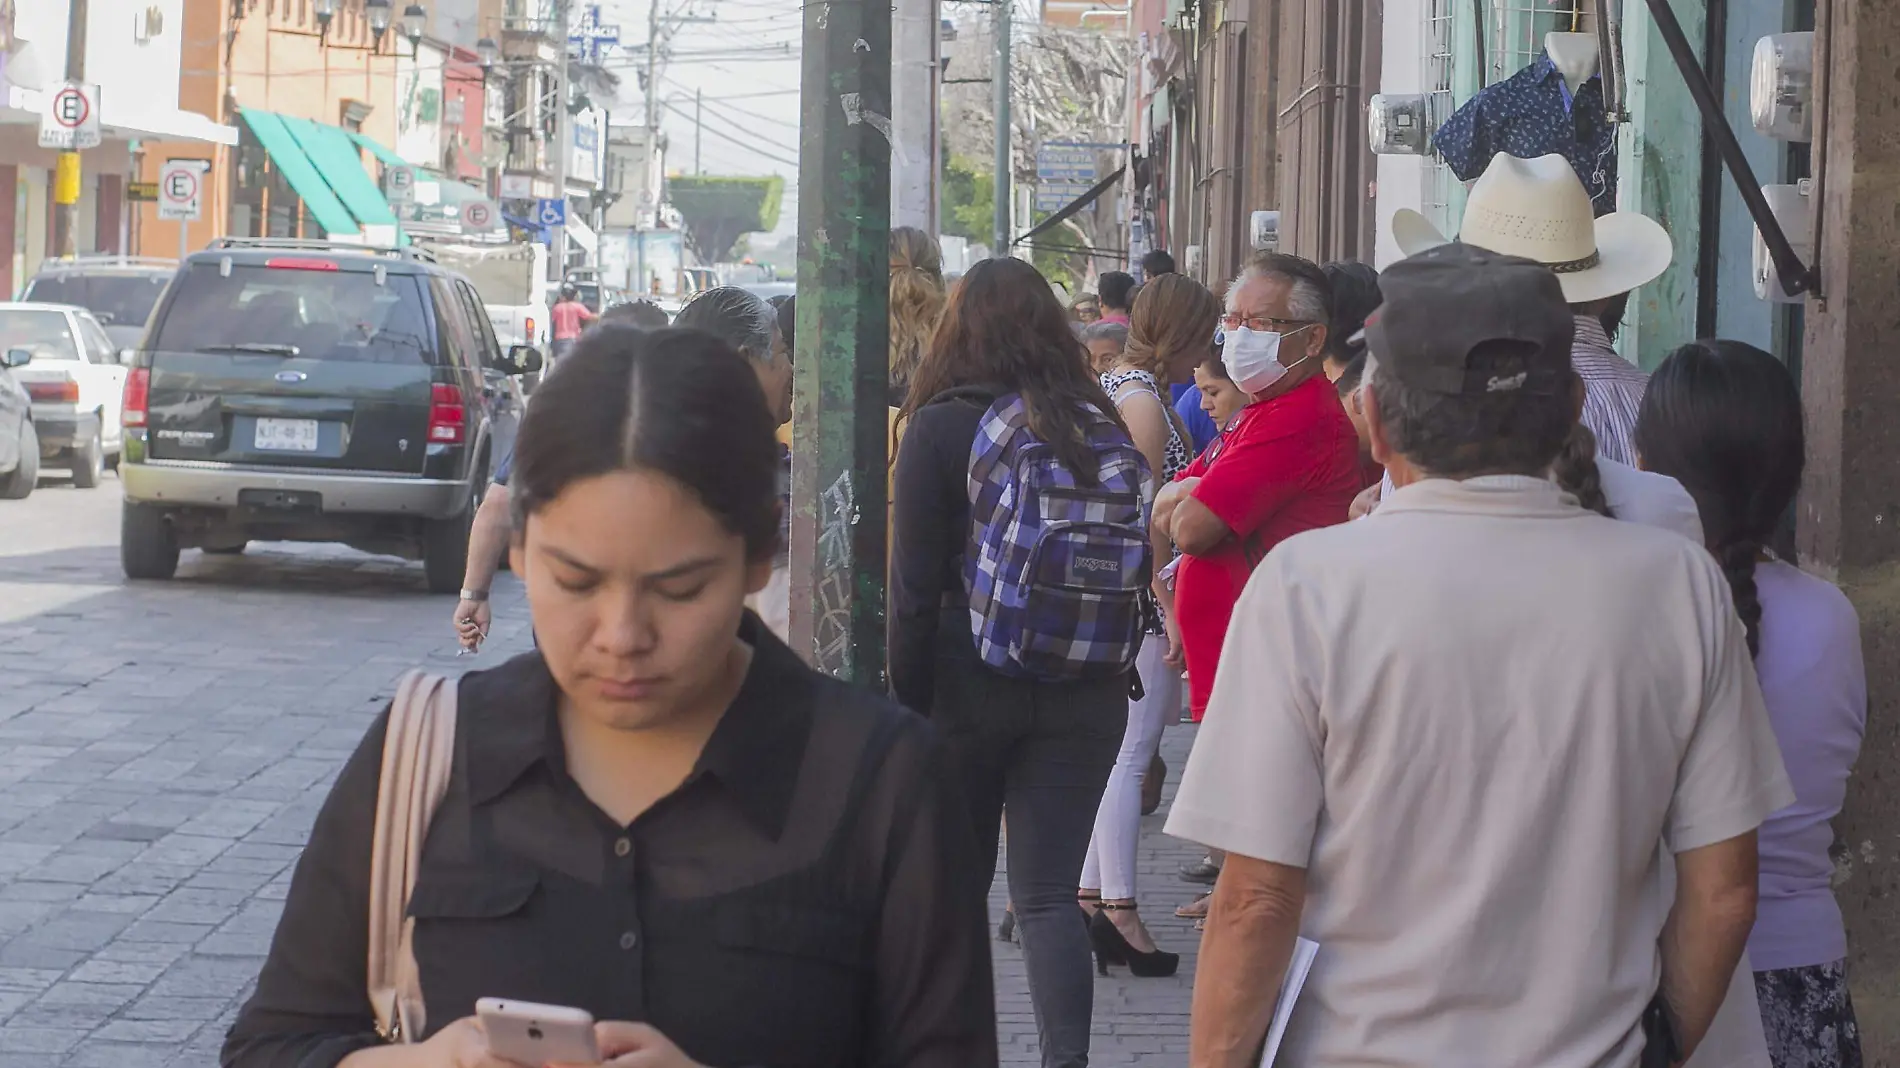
(1470, 366)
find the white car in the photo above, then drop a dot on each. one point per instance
(75, 381)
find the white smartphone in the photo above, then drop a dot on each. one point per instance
(537, 1035)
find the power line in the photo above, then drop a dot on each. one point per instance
(716, 132)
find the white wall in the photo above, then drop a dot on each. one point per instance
(1402, 70)
(135, 77)
(418, 141)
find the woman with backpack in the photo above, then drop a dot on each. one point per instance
(1170, 331)
(1019, 557)
(662, 817)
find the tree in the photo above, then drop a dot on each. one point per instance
(969, 199)
(718, 211)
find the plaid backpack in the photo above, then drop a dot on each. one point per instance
(1055, 568)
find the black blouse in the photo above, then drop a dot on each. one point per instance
(805, 899)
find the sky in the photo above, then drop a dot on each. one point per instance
(745, 63)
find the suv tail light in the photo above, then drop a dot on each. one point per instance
(64, 391)
(138, 389)
(448, 416)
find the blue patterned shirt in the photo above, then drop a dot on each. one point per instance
(1531, 114)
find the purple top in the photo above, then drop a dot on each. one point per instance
(1815, 686)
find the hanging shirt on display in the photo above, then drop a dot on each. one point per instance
(1530, 114)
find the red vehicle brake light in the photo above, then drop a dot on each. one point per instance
(301, 263)
(65, 391)
(138, 388)
(448, 416)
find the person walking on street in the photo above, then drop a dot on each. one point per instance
(660, 814)
(1453, 743)
(1009, 439)
(1724, 419)
(1173, 318)
(570, 318)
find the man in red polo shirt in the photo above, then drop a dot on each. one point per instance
(1288, 463)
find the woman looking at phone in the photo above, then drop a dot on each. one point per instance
(661, 817)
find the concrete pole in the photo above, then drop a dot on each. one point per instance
(1847, 528)
(841, 385)
(653, 110)
(1000, 75)
(564, 133)
(915, 77)
(66, 207)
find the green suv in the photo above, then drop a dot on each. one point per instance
(312, 391)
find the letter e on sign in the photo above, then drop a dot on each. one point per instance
(181, 189)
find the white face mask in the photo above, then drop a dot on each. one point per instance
(1252, 358)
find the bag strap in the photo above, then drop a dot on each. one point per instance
(418, 755)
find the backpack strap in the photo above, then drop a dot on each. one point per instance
(418, 755)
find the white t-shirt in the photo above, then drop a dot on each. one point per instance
(1477, 718)
(1634, 496)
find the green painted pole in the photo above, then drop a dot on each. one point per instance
(840, 386)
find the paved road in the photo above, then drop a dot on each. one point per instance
(164, 747)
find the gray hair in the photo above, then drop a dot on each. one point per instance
(1116, 332)
(1449, 435)
(1310, 295)
(734, 316)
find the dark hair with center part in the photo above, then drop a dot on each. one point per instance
(679, 403)
(1462, 436)
(1116, 290)
(1005, 329)
(1724, 419)
(737, 317)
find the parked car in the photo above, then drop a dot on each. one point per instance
(19, 444)
(76, 382)
(119, 291)
(312, 391)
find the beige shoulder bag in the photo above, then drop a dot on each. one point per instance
(418, 753)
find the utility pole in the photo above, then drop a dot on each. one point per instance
(1000, 75)
(842, 378)
(699, 126)
(653, 108)
(564, 133)
(916, 71)
(66, 185)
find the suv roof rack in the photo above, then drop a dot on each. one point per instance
(106, 259)
(409, 252)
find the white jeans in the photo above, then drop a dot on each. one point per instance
(1110, 866)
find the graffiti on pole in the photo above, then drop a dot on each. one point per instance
(831, 638)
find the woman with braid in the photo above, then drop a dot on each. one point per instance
(1724, 419)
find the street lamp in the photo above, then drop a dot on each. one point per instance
(488, 52)
(414, 21)
(378, 12)
(325, 11)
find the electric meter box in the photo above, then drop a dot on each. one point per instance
(1781, 87)
(1399, 124)
(1793, 209)
(1263, 231)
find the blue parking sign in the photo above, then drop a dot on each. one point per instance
(551, 212)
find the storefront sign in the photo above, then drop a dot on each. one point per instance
(141, 192)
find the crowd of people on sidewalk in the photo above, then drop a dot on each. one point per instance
(1508, 700)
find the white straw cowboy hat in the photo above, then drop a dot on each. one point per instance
(1538, 209)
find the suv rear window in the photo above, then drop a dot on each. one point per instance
(114, 299)
(316, 314)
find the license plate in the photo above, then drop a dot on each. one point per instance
(287, 435)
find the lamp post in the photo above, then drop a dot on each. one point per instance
(378, 12)
(325, 10)
(414, 21)
(488, 52)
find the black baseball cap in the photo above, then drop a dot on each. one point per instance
(1444, 303)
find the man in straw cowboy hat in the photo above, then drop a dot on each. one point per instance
(1538, 209)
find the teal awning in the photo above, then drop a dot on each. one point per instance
(300, 172)
(337, 159)
(379, 150)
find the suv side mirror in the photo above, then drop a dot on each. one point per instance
(16, 358)
(523, 360)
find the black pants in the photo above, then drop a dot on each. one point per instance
(1044, 750)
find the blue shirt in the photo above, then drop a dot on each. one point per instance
(1187, 404)
(504, 469)
(1531, 114)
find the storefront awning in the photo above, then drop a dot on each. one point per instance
(583, 235)
(379, 150)
(335, 156)
(297, 168)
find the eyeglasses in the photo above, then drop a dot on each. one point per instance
(1262, 324)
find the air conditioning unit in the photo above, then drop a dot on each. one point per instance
(1781, 86)
(1793, 208)
(1399, 124)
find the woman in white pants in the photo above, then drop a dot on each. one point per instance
(1170, 332)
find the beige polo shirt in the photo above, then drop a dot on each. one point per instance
(1476, 718)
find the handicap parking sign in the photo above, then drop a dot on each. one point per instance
(551, 212)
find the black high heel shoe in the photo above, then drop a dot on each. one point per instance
(1111, 947)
